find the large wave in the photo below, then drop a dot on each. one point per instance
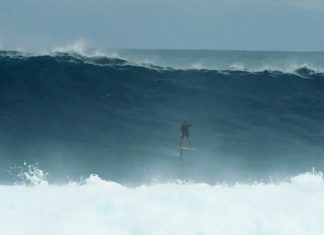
(76, 114)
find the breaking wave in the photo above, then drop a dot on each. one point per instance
(75, 114)
(99, 58)
(96, 206)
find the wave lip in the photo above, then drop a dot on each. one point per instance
(302, 70)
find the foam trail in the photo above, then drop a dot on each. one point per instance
(101, 207)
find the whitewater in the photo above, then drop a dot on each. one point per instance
(96, 206)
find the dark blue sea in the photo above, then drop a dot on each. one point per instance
(96, 135)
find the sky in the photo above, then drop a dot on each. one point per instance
(286, 25)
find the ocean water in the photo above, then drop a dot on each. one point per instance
(88, 142)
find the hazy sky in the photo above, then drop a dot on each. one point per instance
(175, 24)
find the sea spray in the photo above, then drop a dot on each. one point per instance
(33, 175)
(293, 207)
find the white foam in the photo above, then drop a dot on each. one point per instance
(99, 207)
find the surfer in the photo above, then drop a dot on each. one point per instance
(184, 133)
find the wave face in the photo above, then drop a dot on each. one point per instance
(75, 115)
(100, 207)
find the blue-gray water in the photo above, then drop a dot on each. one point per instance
(256, 114)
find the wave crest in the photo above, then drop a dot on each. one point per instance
(66, 56)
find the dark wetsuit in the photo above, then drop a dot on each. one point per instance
(184, 129)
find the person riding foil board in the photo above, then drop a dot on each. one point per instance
(184, 133)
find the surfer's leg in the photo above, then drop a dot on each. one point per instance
(189, 141)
